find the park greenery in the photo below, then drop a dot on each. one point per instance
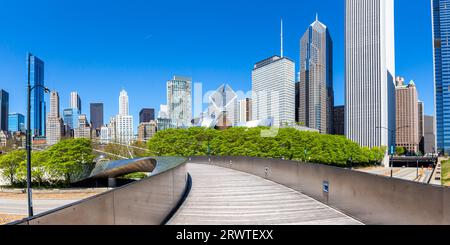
(59, 165)
(286, 143)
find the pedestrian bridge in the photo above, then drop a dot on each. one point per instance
(221, 196)
(254, 191)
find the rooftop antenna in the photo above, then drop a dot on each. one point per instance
(281, 36)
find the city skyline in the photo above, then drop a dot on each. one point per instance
(142, 74)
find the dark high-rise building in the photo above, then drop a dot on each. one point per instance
(96, 115)
(297, 101)
(338, 120)
(146, 115)
(429, 135)
(421, 115)
(4, 110)
(37, 95)
(316, 101)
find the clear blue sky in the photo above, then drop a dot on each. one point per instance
(98, 47)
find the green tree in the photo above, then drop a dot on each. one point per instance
(39, 167)
(289, 144)
(69, 159)
(10, 164)
(400, 151)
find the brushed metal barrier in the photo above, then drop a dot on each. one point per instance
(368, 198)
(145, 202)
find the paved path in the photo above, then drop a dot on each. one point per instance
(19, 207)
(221, 196)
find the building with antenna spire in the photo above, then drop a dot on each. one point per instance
(316, 102)
(281, 37)
(273, 89)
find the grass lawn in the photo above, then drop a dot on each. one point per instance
(445, 166)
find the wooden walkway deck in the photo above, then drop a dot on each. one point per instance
(221, 196)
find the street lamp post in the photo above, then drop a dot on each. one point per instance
(28, 137)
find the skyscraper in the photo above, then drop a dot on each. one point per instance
(297, 100)
(146, 115)
(124, 121)
(123, 103)
(4, 110)
(54, 122)
(273, 89)
(70, 116)
(407, 114)
(75, 101)
(441, 46)
(179, 100)
(338, 121)
(421, 131)
(38, 110)
(16, 122)
(429, 135)
(369, 72)
(96, 110)
(316, 103)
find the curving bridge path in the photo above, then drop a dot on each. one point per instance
(266, 192)
(221, 196)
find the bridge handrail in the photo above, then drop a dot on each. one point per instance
(369, 198)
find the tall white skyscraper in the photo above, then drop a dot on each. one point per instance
(54, 125)
(273, 91)
(123, 121)
(370, 72)
(179, 100)
(75, 101)
(123, 103)
(54, 104)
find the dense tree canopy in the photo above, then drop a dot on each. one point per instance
(288, 143)
(63, 162)
(10, 165)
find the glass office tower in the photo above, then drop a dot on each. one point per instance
(16, 122)
(316, 102)
(37, 96)
(70, 117)
(441, 47)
